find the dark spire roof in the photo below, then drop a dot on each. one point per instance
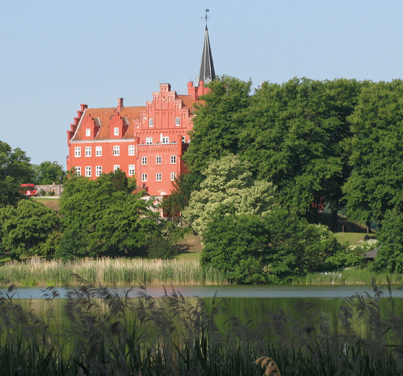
(207, 72)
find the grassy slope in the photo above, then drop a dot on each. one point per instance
(53, 203)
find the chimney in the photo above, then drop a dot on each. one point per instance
(120, 105)
(83, 107)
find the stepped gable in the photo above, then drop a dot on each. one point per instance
(102, 118)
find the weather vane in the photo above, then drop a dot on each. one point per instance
(206, 17)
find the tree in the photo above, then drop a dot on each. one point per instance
(252, 248)
(48, 173)
(390, 255)
(294, 137)
(15, 169)
(228, 183)
(26, 228)
(376, 182)
(107, 218)
(217, 124)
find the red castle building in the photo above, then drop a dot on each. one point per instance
(145, 141)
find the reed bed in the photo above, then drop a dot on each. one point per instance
(119, 271)
(106, 333)
(353, 276)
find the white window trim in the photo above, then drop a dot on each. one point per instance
(115, 167)
(88, 132)
(77, 170)
(149, 140)
(98, 151)
(151, 122)
(165, 139)
(177, 121)
(88, 151)
(77, 151)
(173, 159)
(173, 176)
(158, 176)
(156, 160)
(98, 171)
(132, 170)
(116, 131)
(144, 161)
(116, 150)
(131, 150)
(88, 171)
(144, 178)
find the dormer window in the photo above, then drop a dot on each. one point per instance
(151, 122)
(177, 121)
(116, 131)
(88, 132)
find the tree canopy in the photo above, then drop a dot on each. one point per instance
(228, 183)
(48, 173)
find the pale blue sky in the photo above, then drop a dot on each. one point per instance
(58, 54)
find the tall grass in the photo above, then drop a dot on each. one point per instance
(121, 271)
(106, 333)
(353, 276)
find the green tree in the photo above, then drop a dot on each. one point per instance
(271, 248)
(228, 183)
(15, 169)
(107, 218)
(390, 255)
(217, 125)
(294, 137)
(48, 173)
(376, 182)
(26, 228)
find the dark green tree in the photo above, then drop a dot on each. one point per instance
(376, 183)
(26, 228)
(217, 124)
(390, 255)
(294, 137)
(15, 169)
(48, 173)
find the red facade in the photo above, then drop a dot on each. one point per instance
(146, 142)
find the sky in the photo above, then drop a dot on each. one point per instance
(58, 54)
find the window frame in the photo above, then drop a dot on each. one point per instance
(98, 171)
(151, 122)
(158, 176)
(98, 151)
(115, 167)
(144, 161)
(88, 132)
(88, 151)
(131, 171)
(77, 170)
(149, 140)
(144, 178)
(165, 140)
(173, 176)
(158, 160)
(116, 150)
(88, 171)
(130, 150)
(177, 121)
(116, 131)
(173, 159)
(77, 151)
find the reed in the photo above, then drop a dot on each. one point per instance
(106, 333)
(119, 271)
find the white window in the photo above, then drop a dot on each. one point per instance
(131, 149)
(77, 152)
(151, 122)
(88, 132)
(173, 176)
(149, 140)
(159, 176)
(143, 161)
(132, 169)
(98, 171)
(98, 151)
(158, 160)
(88, 151)
(143, 177)
(177, 121)
(183, 139)
(116, 131)
(173, 159)
(165, 140)
(116, 150)
(115, 167)
(78, 170)
(88, 171)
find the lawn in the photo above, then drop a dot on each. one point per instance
(190, 248)
(53, 203)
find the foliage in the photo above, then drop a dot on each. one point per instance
(294, 137)
(350, 255)
(375, 185)
(106, 218)
(228, 184)
(255, 249)
(217, 125)
(161, 248)
(173, 204)
(15, 169)
(25, 229)
(390, 254)
(48, 173)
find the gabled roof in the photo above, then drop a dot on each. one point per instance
(207, 72)
(103, 116)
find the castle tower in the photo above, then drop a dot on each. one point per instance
(207, 72)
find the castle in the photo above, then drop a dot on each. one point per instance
(146, 142)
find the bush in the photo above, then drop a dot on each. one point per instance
(161, 248)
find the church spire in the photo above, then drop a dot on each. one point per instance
(207, 72)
